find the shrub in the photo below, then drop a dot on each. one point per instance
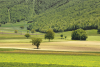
(79, 34)
(61, 36)
(22, 27)
(65, 37)
(27, 35)
(16, 31)
(36, 42)
(33, 31)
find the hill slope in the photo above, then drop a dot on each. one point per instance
(15, 10)
(60, 15)
(71, 15)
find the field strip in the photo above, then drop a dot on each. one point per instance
(36, 51)
(75, 46)
(43, 49)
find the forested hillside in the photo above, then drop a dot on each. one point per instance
(71, 15)
(15, 10)
(60, 15)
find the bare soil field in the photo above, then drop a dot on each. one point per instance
(77, 46)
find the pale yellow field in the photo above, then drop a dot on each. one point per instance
(91, 46)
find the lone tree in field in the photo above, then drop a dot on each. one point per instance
(61, 36)
(79, 34)
(36, 42)
(49, 34)
(27, 35)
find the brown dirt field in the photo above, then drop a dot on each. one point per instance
(84, 46)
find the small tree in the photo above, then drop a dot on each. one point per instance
(22, 27)
(65, 37)
(27, 35)
(61, 36)
(79, 34)
(33, 31)
(36, 42)
(49, 34)
(16, 31)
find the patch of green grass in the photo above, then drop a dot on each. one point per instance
(5, 64)
(19, 36)
(52, 59)
(5, 49)
(11, 27)
(92, 36)
(92, 32)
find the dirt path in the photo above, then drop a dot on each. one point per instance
(93, 46)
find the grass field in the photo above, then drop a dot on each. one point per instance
(74, 60)
(18, 38)
(10, 27)
(11, 64)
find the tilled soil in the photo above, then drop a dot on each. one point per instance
(87, 46)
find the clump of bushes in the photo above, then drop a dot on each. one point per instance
(33, 31)
(27, 35)
(22, 27)
(79, 34)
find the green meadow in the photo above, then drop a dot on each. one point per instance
(18, 37)
(74, 60)
(3, 64)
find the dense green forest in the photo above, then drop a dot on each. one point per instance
(60, 15)
(12, 11)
